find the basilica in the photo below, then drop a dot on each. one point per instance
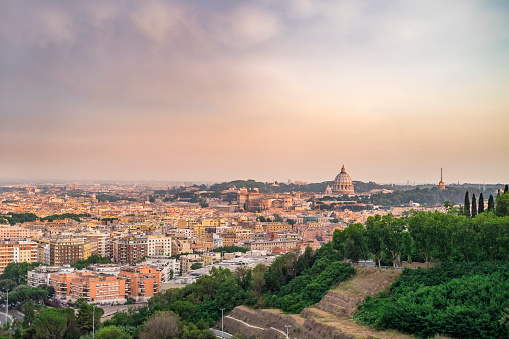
(342, 185)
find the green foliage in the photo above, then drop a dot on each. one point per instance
(230, 249)
(196, 265)
(29, 312)
(51, 323)
(93, 259)
(111, 332)
(481, 204)
(463, 300)
(466, 206)
(23, 293)
(491, 203)
(502, 207)
(17, 271)
(292, 285)
(7, 285)
(85, 317)
(66, 216)
(428, 196)
(112, 198)
(16, 218)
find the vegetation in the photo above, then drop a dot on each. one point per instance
(112, 198)
(66, 216)
(294, 282)
(425, 237)
(17, 271)
(93, 259)
(461, 300)
(16, 218)
(230, 249)
(196, 265)
(429, 196)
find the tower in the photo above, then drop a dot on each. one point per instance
(441, 185)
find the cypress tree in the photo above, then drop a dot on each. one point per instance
(474, 206)
(481, 204)
(491, 203)
(506, 188)
(466, 207)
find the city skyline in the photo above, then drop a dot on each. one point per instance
(179, 91)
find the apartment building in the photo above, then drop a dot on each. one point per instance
(68, 251)
(41, 274)
(129, 250)
(97, 288)
(17, 251)
(142, 282)
(210, 257)
(159, 245)
(61, 282)
(17, 232)
(269, 245)
(180, 246)
(101, 243)
(186, 261)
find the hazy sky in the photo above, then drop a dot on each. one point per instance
(269, 90)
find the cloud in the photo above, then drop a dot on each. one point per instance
(156, 20)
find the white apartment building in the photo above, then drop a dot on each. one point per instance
(158, 245)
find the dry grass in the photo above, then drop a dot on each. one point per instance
(368, 281)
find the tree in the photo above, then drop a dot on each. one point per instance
(474, 206)
(502, 208)
(111, 332)
(161, 325)
(481, 204)
(51, 323)
(84, 317)
(29, 311)
(196, 266)
(506, 188)
(355, 242)
(392, 236)
(491, 203)
(466, 206)
(374, 230)
(7, 285)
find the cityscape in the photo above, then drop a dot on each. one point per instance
(254, 170)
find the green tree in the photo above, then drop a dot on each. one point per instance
(474, 206)
(466, 206)
(51, 323)
(196, 266)
(85, 315)
(502, 207)
(491, 203)
(506, 188)
(112, 332)
(29, 312)
(374, 231)
(7, 285)
(392, 237)
(481, 204)
(355, 242)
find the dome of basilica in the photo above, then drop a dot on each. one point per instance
(343, 183)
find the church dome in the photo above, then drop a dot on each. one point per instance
(343, 183)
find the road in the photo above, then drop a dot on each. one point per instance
(219, 334)
(13, 314)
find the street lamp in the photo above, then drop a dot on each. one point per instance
(93, 321)
(7, 308)
(222, 322)
(287, 327)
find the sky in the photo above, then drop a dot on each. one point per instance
(267, 90)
